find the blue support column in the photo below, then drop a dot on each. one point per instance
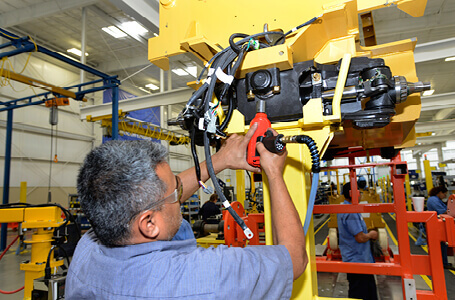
(7, 171)
(115, 112)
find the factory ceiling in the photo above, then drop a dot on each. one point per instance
(57, 25)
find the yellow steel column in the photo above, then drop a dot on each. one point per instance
(338, 182)
(23, 192)
(428, 177)
(297, 178)
(240, 186)
(408, 193)
(41, 245)
(389, 197)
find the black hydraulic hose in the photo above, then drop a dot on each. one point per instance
(235, 47)
(304, 139)
(194, 153)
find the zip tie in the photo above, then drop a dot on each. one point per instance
(223, 76)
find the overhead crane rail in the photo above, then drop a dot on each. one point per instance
(147, 129)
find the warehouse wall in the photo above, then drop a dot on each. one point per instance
(31, 142)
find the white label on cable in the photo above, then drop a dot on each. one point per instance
(210, 72)
(226, 204)
(223, 76)
(201, 124)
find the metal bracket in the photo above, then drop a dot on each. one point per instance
(410, 288)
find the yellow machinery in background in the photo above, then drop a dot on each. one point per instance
(203, 28)
(43, 221)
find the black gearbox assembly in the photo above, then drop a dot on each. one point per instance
(369, 81)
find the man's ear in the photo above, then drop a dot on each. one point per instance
(148, 226)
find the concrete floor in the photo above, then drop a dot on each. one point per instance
(330, 284)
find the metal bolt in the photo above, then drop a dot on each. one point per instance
(316, 76)
(276, 89)
(250, 95)
(443, 219)
(229, 227)
(281, 53)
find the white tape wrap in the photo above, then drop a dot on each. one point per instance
(223, 76)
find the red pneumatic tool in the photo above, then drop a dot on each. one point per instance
(271, 143)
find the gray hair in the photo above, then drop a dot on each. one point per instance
(116, 182)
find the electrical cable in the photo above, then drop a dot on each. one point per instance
(304, 139)
(1, 256)
(278, 41)
(9, 246)
(11, 292)
(47, 269)
(228, 61)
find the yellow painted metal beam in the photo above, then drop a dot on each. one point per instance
(240, 185)
(428, 177)
(148, 130)
(40, 84)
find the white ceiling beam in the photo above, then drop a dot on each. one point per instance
(166, 98)
(419, 150)
(443, 114)
(40, 10)
(128, 63)
(435, 125)
(435, 139)
(396, 26)
(144, 12)
(434, 50)
(438, 101)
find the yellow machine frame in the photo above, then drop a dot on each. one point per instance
(196, 27)
(42, 220)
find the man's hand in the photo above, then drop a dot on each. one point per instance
(271, 163)
(373, 235)
(232, 154)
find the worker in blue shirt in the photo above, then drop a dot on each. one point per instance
(354, 243)
(132, 200)
(435, 203)
(210, 209)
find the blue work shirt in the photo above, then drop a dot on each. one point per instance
(436, 204)
(349, 225)
(185, 232)
(178, 270)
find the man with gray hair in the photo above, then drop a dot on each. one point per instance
(139, 248)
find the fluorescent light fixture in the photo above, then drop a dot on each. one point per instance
(114, 31)
(452, 58)
(144, 90)
(133, 28)
(152, 86)
(76, 52)
(428, 93)
(180, 72)
(192, 70)
(68, 56)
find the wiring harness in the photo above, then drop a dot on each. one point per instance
(200, 115)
